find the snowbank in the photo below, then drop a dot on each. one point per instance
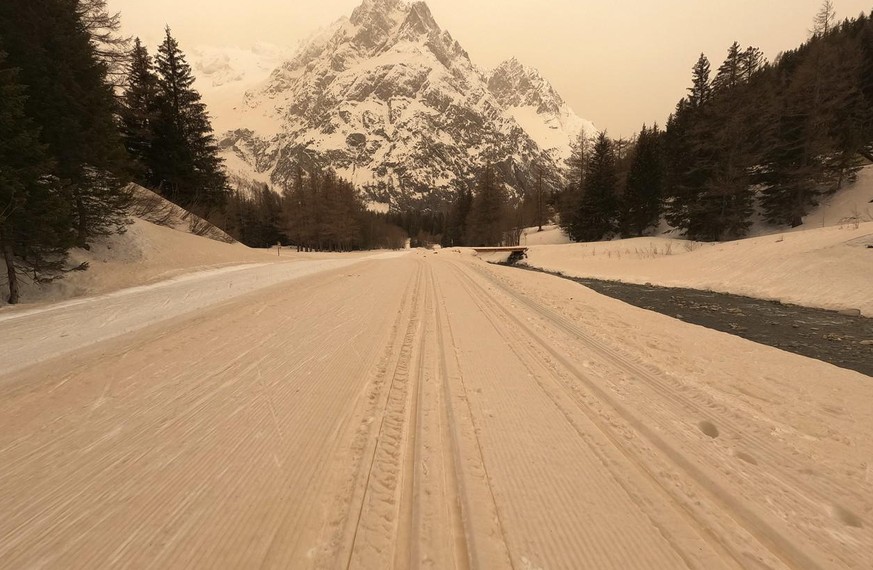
(145, 253)
(830, 267)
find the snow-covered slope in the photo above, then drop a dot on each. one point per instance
(854, 203)
(224, 74)
(824, 267)
(392, 102)
(537, 108)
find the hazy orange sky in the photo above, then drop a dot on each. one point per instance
(618, 63)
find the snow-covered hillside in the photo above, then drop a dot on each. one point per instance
(224, 74)
(537, 108)
(831, 267)
(392, 102)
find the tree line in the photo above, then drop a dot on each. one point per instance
(316, 211)
(484, 213)
(752, 136)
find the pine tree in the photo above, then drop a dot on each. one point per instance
(569, 199)
(456, 225)
(72, 103)
(677, 160)
(865, 84)
(34, 221)
(730, 74)
(598, 208)
(752, 60)
(139, 113)
(690, 154)
(641, 203)
(184, 160)
(700, 90)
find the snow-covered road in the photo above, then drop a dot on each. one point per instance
(34, 335)
(418, 411)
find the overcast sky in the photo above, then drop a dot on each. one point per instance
(618, 63)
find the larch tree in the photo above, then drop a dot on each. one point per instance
(111, 48)
(825, 19)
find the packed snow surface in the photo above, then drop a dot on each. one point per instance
(418, 410)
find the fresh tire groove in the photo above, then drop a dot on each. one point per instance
(406, 552)
(474, 548)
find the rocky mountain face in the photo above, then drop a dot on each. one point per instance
(393, 103)
(537, 108)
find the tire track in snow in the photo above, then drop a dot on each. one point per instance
(476, 514)
(544, 513)
(177, 467)
(521, 343)
(377, 530)
(805, 505)
(784, 548)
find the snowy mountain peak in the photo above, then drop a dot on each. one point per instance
(393, 103)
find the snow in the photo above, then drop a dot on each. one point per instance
(552, 132)
(419, 409)
(853, 202)
(827, 267)
(74, 325)
(822, 263)
(224, 74)
(551, 235)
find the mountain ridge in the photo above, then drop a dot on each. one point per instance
(393, 103)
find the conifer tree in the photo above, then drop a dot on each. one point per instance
(825, 19)
(34, 222)
(752, 60)
(456, 225)
(598, 207)
(865, 84)
(700, 90)
(184, 162)
(111, 48)
(730, 73)
(569, 199)
(645, 184)
(72, 103)
(139, 113)
(690, 155)
(486, 222)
